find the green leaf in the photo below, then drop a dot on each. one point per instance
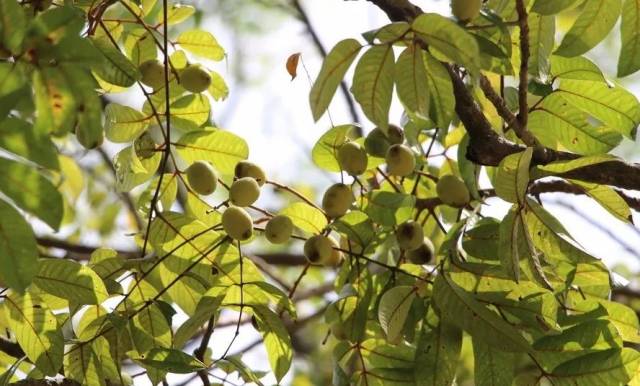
(560, 167)
(511, 243)
(437, 353)
(13, 25)
(379, 353)
(12, 77)
(201, 43)
(373, 84)
(132, 171)
(54, 100)
(623, 317)
(592, 25)
(324, 152)
(456, 306)
(541, 40)
(611, 367)
(116, 69)
(629, 61)
(276, 340)
(70, 280)
(608, 198)
(218, 88)
(171, 360)
(559, 125)
(222, 148)
(31, 191)
(492, 367)
(393, 310)
(551, 7)
(123, 123)
(389, 208)
(333, 69)
(357, 226)
(441, 98)
(448, 38)
(83, 365)
(614, 106)
(584, 338)
(576, 68)
(306, 217)
(512, 176)
(19, 137)
(18, 249)
(37, 331)
(411, 81)
(206, 309)
(177, 13)
(89, 130)
(190, 111)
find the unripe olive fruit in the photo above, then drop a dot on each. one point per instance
(423, 254)
(465, 10)
(202, 177)
(322, 249)
(244, 191)
(144, 145)
(249, 169)
(152, 74)
(336, 255)
(409, 235)
(400, 160)
(337, 200)
(352, 158)
(279, 229)
(452, 191)
(194, 79)
(237, 223)
(377, 142)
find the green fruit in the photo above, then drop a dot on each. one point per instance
(279, 229)
(144, 145)
(465, 10)
(336, 255)
(318, 248)
(152, 74)
(244, 191)
(400, 160)
(409, 235)
(202, 177)
(194, 79)
(377, 142)
(453, 191)
(352, 158)
(423, 254)
(237, 223)
(337, 200)
(249, 169)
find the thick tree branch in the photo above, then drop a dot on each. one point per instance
(488, 148)
(524, 72)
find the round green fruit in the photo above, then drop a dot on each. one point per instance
(279, 229)
(144, 145)
(465, 10)
(423, 254)
(244, 191)
(237, 223)
(152, 74)
(377, 142)
(352, 158)
(202, 178)
(452, 191)
(337, 200)
(194, 79)
(249, 169)
(400, 160)
(409, 235)
(317, 248)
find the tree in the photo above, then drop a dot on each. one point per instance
(428, 289)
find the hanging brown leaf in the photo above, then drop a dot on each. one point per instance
(292, 65)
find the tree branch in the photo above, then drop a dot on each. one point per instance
(524, 73)
(488, 148)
